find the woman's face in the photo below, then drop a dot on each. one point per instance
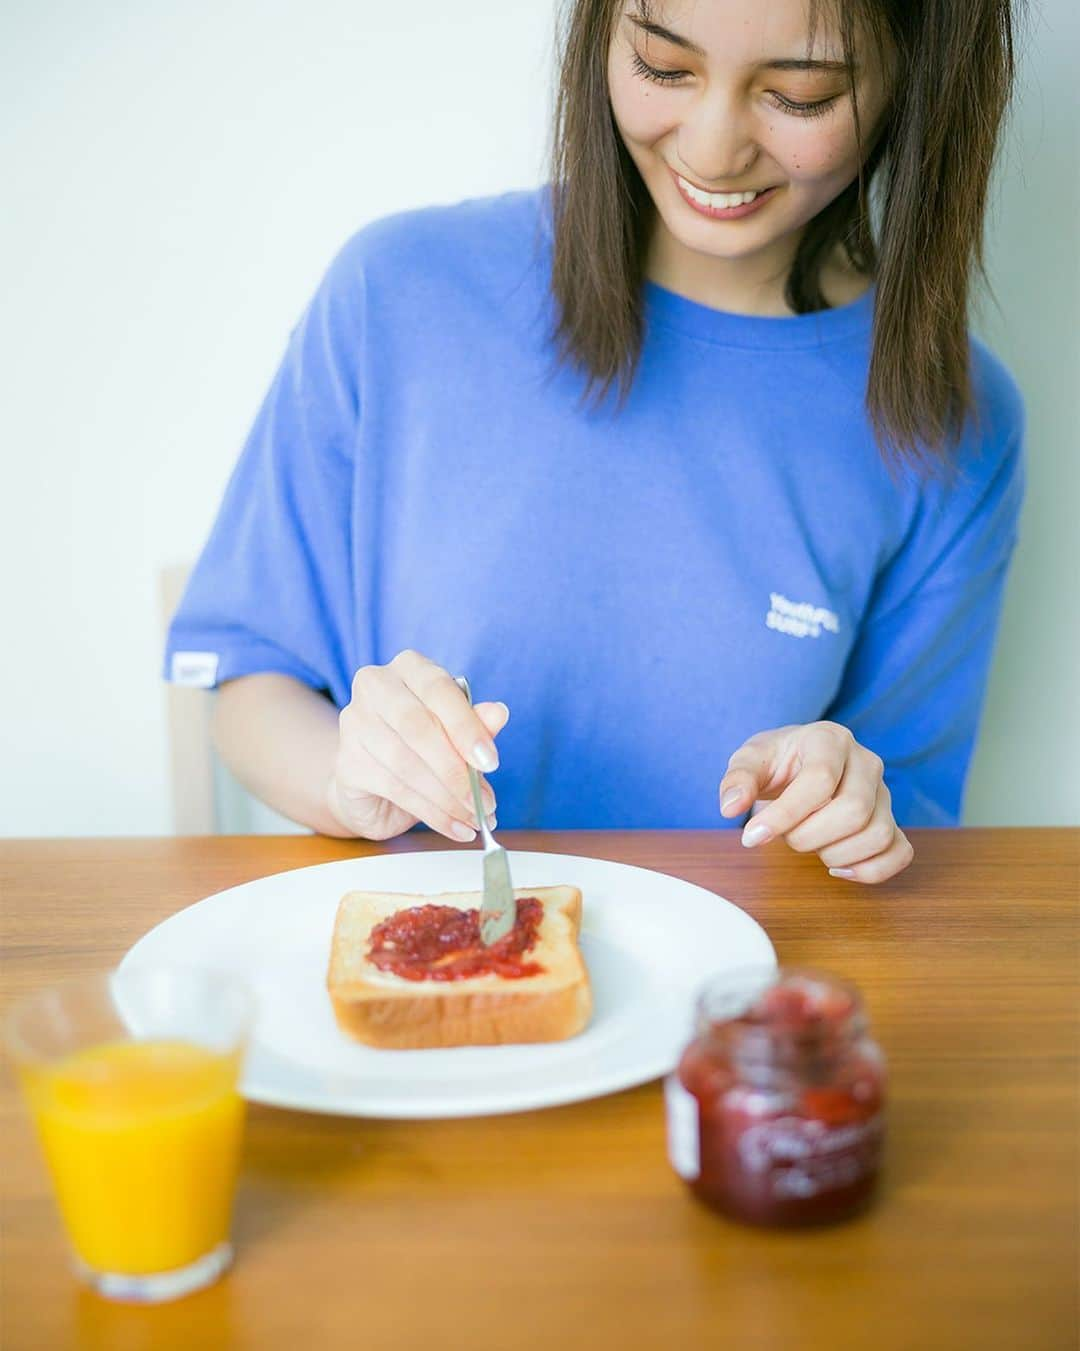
(740, 135)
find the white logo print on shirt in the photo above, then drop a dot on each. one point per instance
(799, 619)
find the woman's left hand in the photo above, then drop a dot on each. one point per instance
(827, 795)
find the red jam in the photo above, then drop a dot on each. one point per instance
(776, 1109)
(441, 942)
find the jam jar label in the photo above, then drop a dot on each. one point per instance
(683, 1129)
(806, 1157)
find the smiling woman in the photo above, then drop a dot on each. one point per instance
(790, 140)
(628, 473)
(809, 105)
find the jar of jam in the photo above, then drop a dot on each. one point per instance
(775, 1112)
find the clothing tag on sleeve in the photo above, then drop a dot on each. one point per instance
(195, 668)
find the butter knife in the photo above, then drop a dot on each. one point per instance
(498, 912)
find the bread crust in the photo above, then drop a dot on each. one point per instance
(395, 1014)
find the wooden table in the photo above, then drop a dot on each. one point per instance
(566, 1228)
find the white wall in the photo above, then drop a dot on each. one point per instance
(177, 176)
(1027, 766)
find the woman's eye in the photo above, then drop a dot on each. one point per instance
(648, 72)
(815, 109)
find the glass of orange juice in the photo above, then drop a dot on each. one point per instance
(132, 1079)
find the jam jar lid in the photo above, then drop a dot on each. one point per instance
(765, 1011)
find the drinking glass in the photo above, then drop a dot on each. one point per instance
(132, 1079)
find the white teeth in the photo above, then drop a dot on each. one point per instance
(721, 201)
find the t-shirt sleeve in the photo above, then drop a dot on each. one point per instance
(915, 681)
(272, 588)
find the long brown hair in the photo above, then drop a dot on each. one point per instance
(927, 169)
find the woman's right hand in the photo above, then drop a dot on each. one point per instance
(403, 743)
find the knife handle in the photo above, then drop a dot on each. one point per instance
(474, 778)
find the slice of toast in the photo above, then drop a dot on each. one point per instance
(383, 1009)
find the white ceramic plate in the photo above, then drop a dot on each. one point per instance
(649, 940)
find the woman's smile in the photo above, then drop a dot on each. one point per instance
(722, 205)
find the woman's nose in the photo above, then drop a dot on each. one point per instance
(715, 142)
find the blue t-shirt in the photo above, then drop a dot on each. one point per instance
(644, 587)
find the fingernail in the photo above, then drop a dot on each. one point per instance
(461, 832)
(730, 798)
(846, 873)
(492, 822)
(504, 709)
(484, 758)
(756, 834)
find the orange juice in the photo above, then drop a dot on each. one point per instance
(142, 1140)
